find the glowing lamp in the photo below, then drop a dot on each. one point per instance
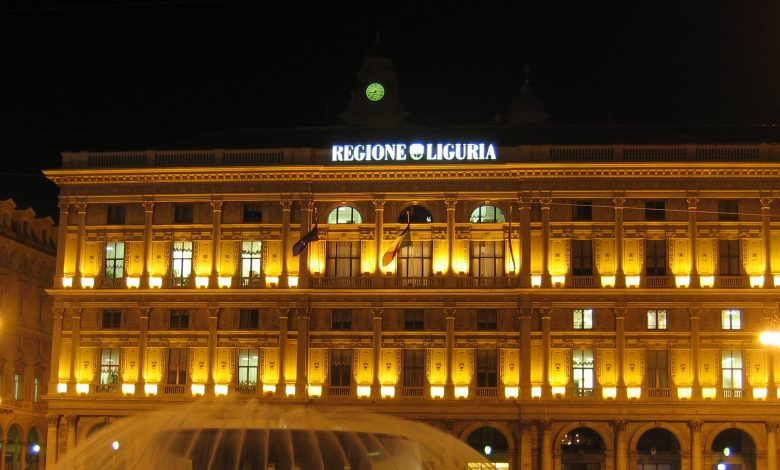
(512, 392)
(776, 280)
(87, 282)
(128, 389)
(778, 392)
(756, 281)
(315, 390)
(224, 282)
(759, 393)
(269, 389)
(609, 393)
(115, 445)
(684, 393)
(387, 391)
(682, 281)
(559, 391)
(363, 391)
(133, 282)
(272, 281)
(198, 389)
(708, 393)
(150, 390)
(607, 281)
(221, 390)
(155, 282)
(536, 392)
(292, 281)
(558, 281)
(62, 387)
(201, 282)
(770, 338)
(461, 392)
(437, 391)
(632, 281)
(67, 282)
(634, 393)
(707, 281)
(35, 448)
(536, 281)
(82, 389)
(289, 390)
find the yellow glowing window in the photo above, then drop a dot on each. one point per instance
(487, 215)
(251, 258)
(656, 319)
(583, 318)
(731, 319)
(345, 215)
(115, 259)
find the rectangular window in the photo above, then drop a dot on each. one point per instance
(656, 319)
(115, 214)
(582, 257)
(657, 368)
(728, 209)
(248, 319)
(251, 258)
(36, 390)
(182, 213)
(177, 366)
(728, 258)
(414, 368)
(487, 319)
(248, 360)
(487, 258)
(583, 210)
(487, 366)
(342, 259)
(115, 259)
(655, 210)
(112, 319)
(341, 319)
(582, 369)
(109, 366)
(731, 365)
(182, 262)
(731, 319)
(180, 320)
(414, 319)
(252, 213)
(18, 386)
(655, 257)
(415, 260)
(583, 318)
(340, 367)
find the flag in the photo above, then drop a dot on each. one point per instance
(511, 251)
(312, 236)
(404, 239)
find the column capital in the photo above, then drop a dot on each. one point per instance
(377, 312)
(148, 206)
(144, 310)
(619, 425)
(449, 312)
(214, 311)
(766, 201)
(64, 204)
(545, 425)
(75, 312)
(379, 203)
(72, 420)
(286, 203)
(619, 200)
(524, 199)
(693, 313)
(53, 420)
(695, 425)
(771, 426)
(620, 312)
(545, 312)
(216, 205)
(81, 207)
(545, 202)
(284, 309)
(692, 199)
(451, 202)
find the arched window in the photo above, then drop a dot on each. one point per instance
(13, 448)
(487, 215)
(417, 215)
(33, 450)
(491, 443)
(345, 215)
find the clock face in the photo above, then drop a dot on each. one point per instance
(375, 91)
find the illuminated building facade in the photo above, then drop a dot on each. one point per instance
(27, 255)
(562, 306)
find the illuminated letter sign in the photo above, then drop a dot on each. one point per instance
(414, 152)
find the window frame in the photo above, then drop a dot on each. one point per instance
(655, 321)
(584, 378)
(411, 257)
(727, 317)
(183, 213)
(251, 258)
(340, 367)
(586, 318)
(657, 377)
(109, 366)
(657, 213)
(114, 266)
(482, 264)
(245, 371)
(341, 319)
(252, 213)
(248, 319)
(728, 210)
(178, 370)
(181, 264)
(112, 319)
(581, 258)
(487, 368)
(480, 215)
(339, 259)
(179, 319)
(414, 319)
(487, 319)
(734, 376)
(729, 256)
(653, 258)
(582, 210)
(414, 372)
(355, 217)
(116, 214)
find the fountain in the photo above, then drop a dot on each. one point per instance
(229, 435)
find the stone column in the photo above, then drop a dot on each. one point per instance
(148, 231)
(525, 313)
(524, 460)
(379, 224)
(697, 450)
(376, 385)
(72, 422)
(75, 344)
(2, 457)
(286, 205)
(302, 364)
(771, 445)
(546, 452)
(545, 312)
(451, 203)
(766, 238)
(23, 453)
(213, 323)
(525, 240)
(693, 314)
(307, 207)
(281, 386)
(621, 446)
(50, 453)
(449, 318)
(693, 203)
(620, 275)
(143, 332)
(81, 207)
(546, 280)
(216, 242)
(56, 345)
(62, 237)
(620, 343)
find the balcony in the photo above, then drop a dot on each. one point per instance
(414, 282)
(111, 282)
(731, 281)
(583, 392)
(733, 393)
(254, 282)
(582, 281)
(488, 282)
(655, 282)
(659, 393)
(342, 392)
(105, 389)
(340, 282)
(180, 282)
(412, 392)
(245, 390)
(486, 392)
(174, 389)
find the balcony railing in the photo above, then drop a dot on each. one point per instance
(111, 282)
(413, 392)
(245, 389)
(659, 393)
(731, 281)
(488, 282)
(583, 392)
(105, 388)
(657, 281)
(253, 282)
(582, 281)
(181, 282)
(486, 392)
(733, 393)
(414, 282)
(340, 282)
(339, 391)
(174, 389)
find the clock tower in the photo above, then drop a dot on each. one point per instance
(375, 101)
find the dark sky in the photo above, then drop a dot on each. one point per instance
(135, 74)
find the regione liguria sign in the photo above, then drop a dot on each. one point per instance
(414, 152)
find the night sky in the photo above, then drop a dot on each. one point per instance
(136, 74)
